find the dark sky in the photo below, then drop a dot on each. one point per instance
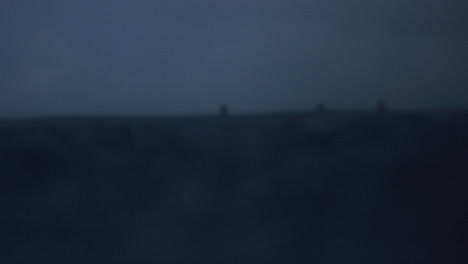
(188, 56)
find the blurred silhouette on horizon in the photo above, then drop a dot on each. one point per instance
(223, 110)
(382, 107)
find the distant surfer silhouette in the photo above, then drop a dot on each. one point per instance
(381, 107)
(321, 109)
(223, 110)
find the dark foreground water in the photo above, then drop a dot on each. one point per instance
(299, 188)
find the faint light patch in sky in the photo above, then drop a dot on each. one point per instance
(231, 48)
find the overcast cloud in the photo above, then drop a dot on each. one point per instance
(186, 56)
